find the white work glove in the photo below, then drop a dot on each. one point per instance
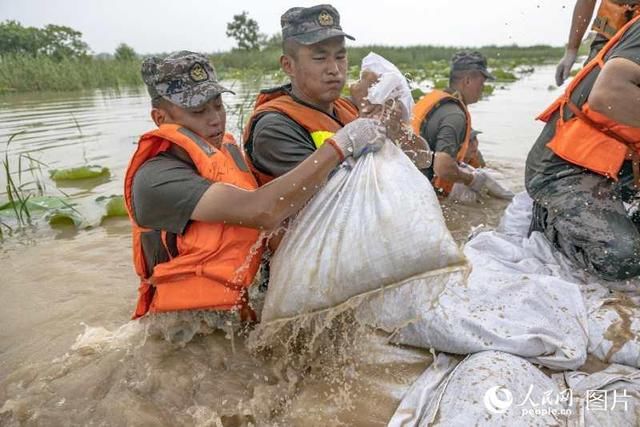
(462, 194)
(480, 178)
(564, 67)
(360, 136)
(495, 189)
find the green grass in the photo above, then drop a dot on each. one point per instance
(27, 74)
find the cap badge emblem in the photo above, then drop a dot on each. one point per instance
(325, 19)
(198, 73)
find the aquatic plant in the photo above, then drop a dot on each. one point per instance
(16, 194)
(78, 173)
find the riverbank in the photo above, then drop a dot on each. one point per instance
(42, 73)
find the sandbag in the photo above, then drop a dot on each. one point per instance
(490, 388)
(610, 397)
(511, 302)
(613, 311)
(372, 226)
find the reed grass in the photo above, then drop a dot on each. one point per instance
(42, 73)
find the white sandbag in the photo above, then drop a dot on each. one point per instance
(508, 309)
(613, 317)
(607, 398)
(375, 225)
(391, 84)
(511, 302)
(486, 389)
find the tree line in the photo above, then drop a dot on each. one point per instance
(54, 41)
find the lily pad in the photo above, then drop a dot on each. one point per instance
(82, 172)
(66, 216)
(113, 206)
(504, 76)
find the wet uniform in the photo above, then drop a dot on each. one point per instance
(444, 131)
(278, 143)
(166, 190)
(581, 212)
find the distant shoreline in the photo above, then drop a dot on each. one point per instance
(23, 74)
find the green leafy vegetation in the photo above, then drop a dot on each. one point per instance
(54, 41)
(113, 206)
(82, 172)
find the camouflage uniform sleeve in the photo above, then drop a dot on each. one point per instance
(279, 144)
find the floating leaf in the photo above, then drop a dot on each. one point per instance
(83, 172)
(66, 216)
(113, 206)
(503, 76)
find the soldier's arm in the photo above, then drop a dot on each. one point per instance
(582, 13)
(446, 167)
(269, 205)
(451, 133)
(616, 91)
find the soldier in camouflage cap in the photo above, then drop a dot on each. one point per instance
(310, 25)
(465, 61)
(445, 122)
(284, 128)
(184, 78)
(188, 185)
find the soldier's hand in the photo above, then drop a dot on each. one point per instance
(564, 67)
(359, 137)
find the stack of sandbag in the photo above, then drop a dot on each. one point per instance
(613, 313)
(511, 302)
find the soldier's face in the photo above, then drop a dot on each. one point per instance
(474, 87)
(318, 71)
(208, 121)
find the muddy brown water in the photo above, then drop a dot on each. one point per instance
(69, 354)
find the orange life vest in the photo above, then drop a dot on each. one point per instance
(321, 126)
(589, 138)
(215, 262)
(422, 111)
(612, 15)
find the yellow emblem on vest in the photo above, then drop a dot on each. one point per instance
(198, 73)
(325, 19)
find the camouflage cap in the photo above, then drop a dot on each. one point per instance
(310, 25)
(184, 78)
(474, 133)
(465, 60)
